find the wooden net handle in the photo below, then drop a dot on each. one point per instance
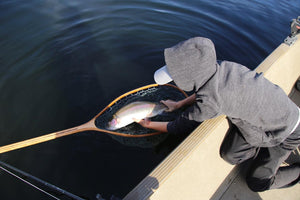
(44, 138)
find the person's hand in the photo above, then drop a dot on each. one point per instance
(143, 122)
(172, 105)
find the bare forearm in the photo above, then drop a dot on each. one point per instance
(174, 105)
(158, 126)
(187, 101)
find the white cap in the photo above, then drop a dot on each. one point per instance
(162, 76)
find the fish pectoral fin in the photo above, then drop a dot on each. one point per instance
(139, 120)
(136, 120)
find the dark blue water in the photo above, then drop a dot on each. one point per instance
(62, 61)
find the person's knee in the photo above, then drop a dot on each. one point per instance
(258, 185)
(229, 157)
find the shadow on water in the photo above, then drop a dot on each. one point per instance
(150, 184)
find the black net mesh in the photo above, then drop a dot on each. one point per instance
(152, 94)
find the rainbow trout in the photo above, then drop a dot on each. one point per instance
(137, 110)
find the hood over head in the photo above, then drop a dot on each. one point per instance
(191, 63)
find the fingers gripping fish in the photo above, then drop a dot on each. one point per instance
(134, 112)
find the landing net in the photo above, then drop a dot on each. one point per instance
(152, 93)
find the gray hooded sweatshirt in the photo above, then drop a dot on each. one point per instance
(261, 110)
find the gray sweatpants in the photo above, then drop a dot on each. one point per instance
(265, 172)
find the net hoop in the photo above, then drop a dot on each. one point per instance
(124, 95)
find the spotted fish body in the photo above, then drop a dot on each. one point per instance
(137, 110)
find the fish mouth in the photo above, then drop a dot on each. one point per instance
(109, 127)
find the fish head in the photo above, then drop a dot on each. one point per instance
(113, 124)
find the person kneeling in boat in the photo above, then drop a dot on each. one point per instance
(265, 122)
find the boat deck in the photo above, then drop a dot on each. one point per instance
(194, 170)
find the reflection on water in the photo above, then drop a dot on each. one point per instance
(62, 61)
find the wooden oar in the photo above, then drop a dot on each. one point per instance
(89, 126)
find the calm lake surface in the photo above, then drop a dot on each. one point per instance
(61, 62)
